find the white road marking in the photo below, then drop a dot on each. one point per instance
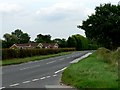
(35, 80)
(30, 62)
(54, 75)
(68, 57)
(60, 70)
(30, 67)
(51, 62)
(26, 81)
(61, 59)
(80, 58)
(35, 66)
(14, 85)
(42, 78)
(58, 87)
(2, 88)
(48, 76)
(24, 68)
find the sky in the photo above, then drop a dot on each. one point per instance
(59, 18)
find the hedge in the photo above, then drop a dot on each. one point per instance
(21, 53)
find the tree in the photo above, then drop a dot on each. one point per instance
(43, 38)
(17, 33)
(15, 37)
(78, 41)
(61, 42)
(71, 42)
(104, 26)
(22, 37)
(9, 40)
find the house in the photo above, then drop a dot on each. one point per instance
(49, 45)
(34, 45)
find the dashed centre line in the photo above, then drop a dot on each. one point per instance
(25, 68)
(30, 67)
(51, 62)
(42, 78)
(26, 82)
(48, 76)
(72, 56)
(61, 59)
(35, 80)
(68, 57)
(2, 88)
(14, 85)
(54, 75)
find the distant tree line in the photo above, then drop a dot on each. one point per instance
(18, 36)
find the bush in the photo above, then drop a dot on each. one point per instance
(108, 56)
(92, 47)
(21, 53)
(104, 54)
(116, 56)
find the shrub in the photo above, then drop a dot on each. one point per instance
(104, 54)
(116, 56)
(108, 56)
(92, 46)
(21, 53)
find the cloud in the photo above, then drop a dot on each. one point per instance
(63, 11)
(57, 17)
(10, 7)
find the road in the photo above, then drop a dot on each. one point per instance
(38, 74)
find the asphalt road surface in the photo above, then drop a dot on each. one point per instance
(38, 74)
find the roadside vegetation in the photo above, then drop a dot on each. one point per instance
(22, 53)
(28, 59)
(99, 70)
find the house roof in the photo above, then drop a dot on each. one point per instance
(27, 44)
(35, 44)
(48, 44)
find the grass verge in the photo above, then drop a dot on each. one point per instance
(28, 59)
(91, 72)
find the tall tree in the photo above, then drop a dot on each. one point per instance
(15, 37)
(78, 41)
(17, 33)
(22, 37)
(104, 26)
(61, 42)
(71, 42)
(43, 38)
(9, 40)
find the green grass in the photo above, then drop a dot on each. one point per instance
(91, 72)
(28, 59)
